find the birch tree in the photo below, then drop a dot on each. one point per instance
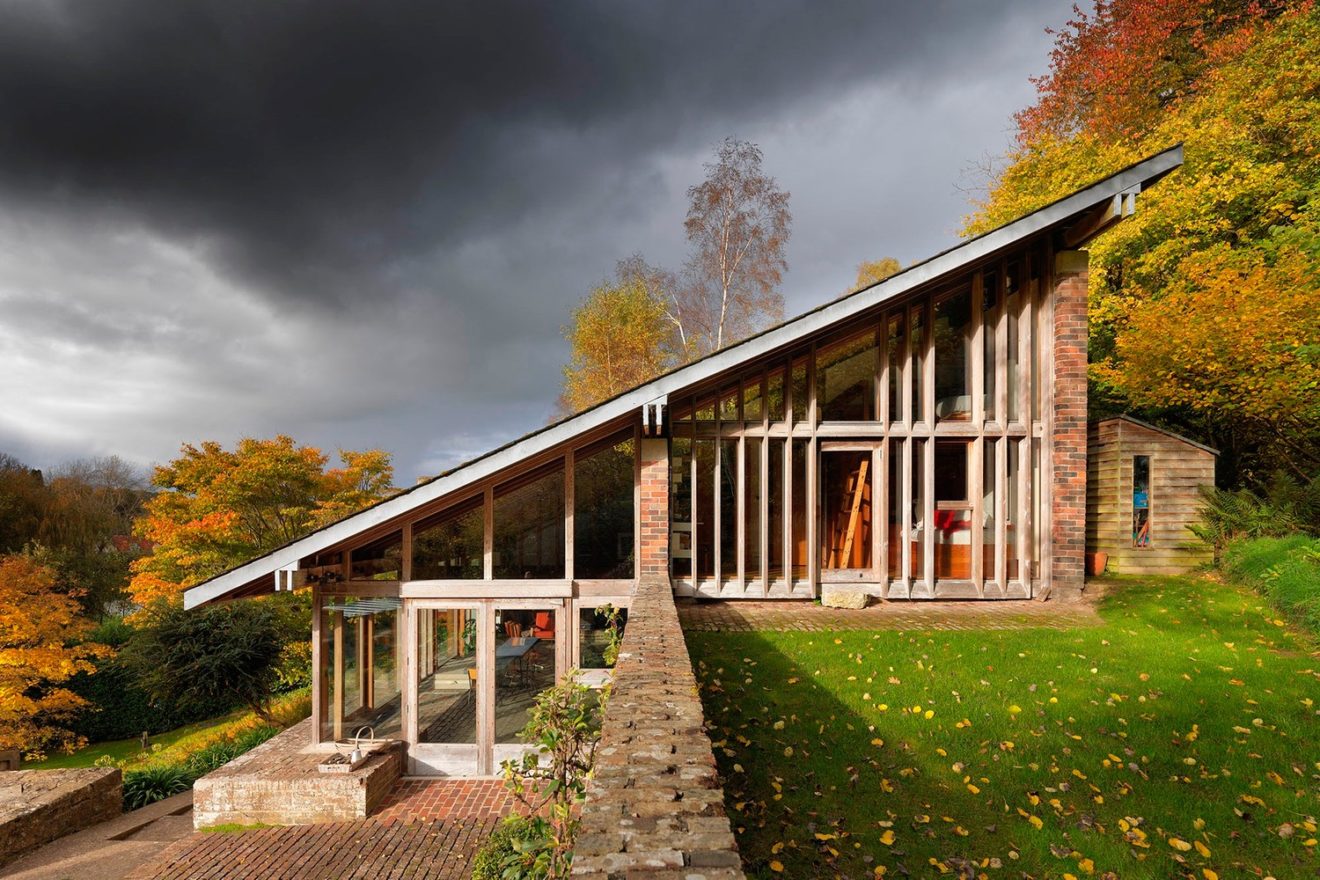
(737, 224)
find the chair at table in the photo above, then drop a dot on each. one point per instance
(543, 627)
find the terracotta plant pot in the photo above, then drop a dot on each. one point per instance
(1096, 562)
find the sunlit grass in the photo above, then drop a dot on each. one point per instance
(1178, 739)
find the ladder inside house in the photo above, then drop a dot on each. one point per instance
(849, 525)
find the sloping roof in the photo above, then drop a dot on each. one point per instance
(1137, 176)
(1124, 417)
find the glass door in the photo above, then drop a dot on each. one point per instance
(526, 662)
(444, 728)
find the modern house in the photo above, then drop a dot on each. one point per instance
(925, 437)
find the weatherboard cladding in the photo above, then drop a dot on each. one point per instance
(734, 358)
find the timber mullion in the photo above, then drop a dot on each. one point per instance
(318, 668)
(976, 485)
(569, 468)
(763, 501)
(906, 477)
(485, 688)
(928, 515)
(488, 517)
(411, 671)
(740, 487)
(1001, 509)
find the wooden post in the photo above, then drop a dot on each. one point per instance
(569, 505)
(410, 684)
(318, 667)
(485, 688)
(488, 508)
(337, 715)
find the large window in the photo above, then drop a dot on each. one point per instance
(529, 527)
(379, 560)
(953, 356)
(680, 506)
(603, 511)
(524, 666)
(451, 544)
(845, 379)
(846, 486)
(360, 662)
(953, 515)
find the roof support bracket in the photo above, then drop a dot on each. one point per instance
(653, 416)
(1103, 216)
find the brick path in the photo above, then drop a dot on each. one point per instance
(426, 830)
(745, 616)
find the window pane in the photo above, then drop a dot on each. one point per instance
(800, 509)
(529, 529)
(706, 411)
(918, 361)
(988, 546)
(1011, 512)
(989, 320)
(524, 666)
(775, 485)
(897, 355)
(845, 379)
(728, 510)
(800, 391)
(953, 516)
(752, 399)
(704, 452)
(603, 493)
(775, 395)
(341, 679)
(1013, 306)
(680, 506)
(921, 529)
(894, 455)
(598, 630)
(846, 481)
(447, 675)
(451, 544)
(386, 661)
(729, 405)
(752, 507)
(379, 560)
(1141, 501)
(953, 356)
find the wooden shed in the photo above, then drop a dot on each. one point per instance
(1142, 494)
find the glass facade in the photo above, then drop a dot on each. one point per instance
(529, 528)
(604, 511)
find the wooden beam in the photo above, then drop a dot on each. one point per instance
(569, 505)
(488, 532)
(318, 668)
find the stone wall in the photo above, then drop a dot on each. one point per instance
(38, 806)
(278, 783)
(655, 808)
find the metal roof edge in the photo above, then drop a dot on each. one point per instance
(1141, 173)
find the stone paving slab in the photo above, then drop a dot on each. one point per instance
(802, 616)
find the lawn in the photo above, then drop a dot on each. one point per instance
(1178, 739)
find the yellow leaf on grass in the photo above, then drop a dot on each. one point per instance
(1179, 844)
(1036, 822)
(887, 838)
(973, 789)
(777, 866)
(1209, 875)
(1202, 848)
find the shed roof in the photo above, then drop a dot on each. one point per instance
(1093, 205)
(1124, 417)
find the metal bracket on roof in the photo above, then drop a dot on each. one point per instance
(653, 417)
(1123, 204)
(286, 578)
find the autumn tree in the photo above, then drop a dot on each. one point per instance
(22, 500)
(217, 508)
(871, 272)
(625, 332)
(737, 227)
(40, 649)
(1203, 306)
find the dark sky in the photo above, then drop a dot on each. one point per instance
(364, 224)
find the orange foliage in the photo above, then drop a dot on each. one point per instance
(221, 508)
(39, 631)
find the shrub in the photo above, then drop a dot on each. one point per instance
(1285, 570)
(1285, 507)
(155, 783)
(503, 856)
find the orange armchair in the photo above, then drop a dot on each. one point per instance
(544, 625)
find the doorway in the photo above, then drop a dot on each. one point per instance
(847, 505)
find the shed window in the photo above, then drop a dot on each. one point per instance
(1141, 501)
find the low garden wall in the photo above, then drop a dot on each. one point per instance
(655, 807)
(278, 783)
(38, 806)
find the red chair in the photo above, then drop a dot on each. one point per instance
(544, 625)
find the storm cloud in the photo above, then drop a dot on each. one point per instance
(364, 224)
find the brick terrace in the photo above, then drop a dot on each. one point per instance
(425, 830)
(414, 800)
(744, 616)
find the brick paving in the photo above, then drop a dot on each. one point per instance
(750, 616)
(425, 830)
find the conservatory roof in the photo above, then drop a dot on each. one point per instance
(1081, 215)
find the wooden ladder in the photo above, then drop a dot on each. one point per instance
(851, 508)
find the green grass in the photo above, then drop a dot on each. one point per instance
(130, 750)
(1285, 570)
(1190, 715)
